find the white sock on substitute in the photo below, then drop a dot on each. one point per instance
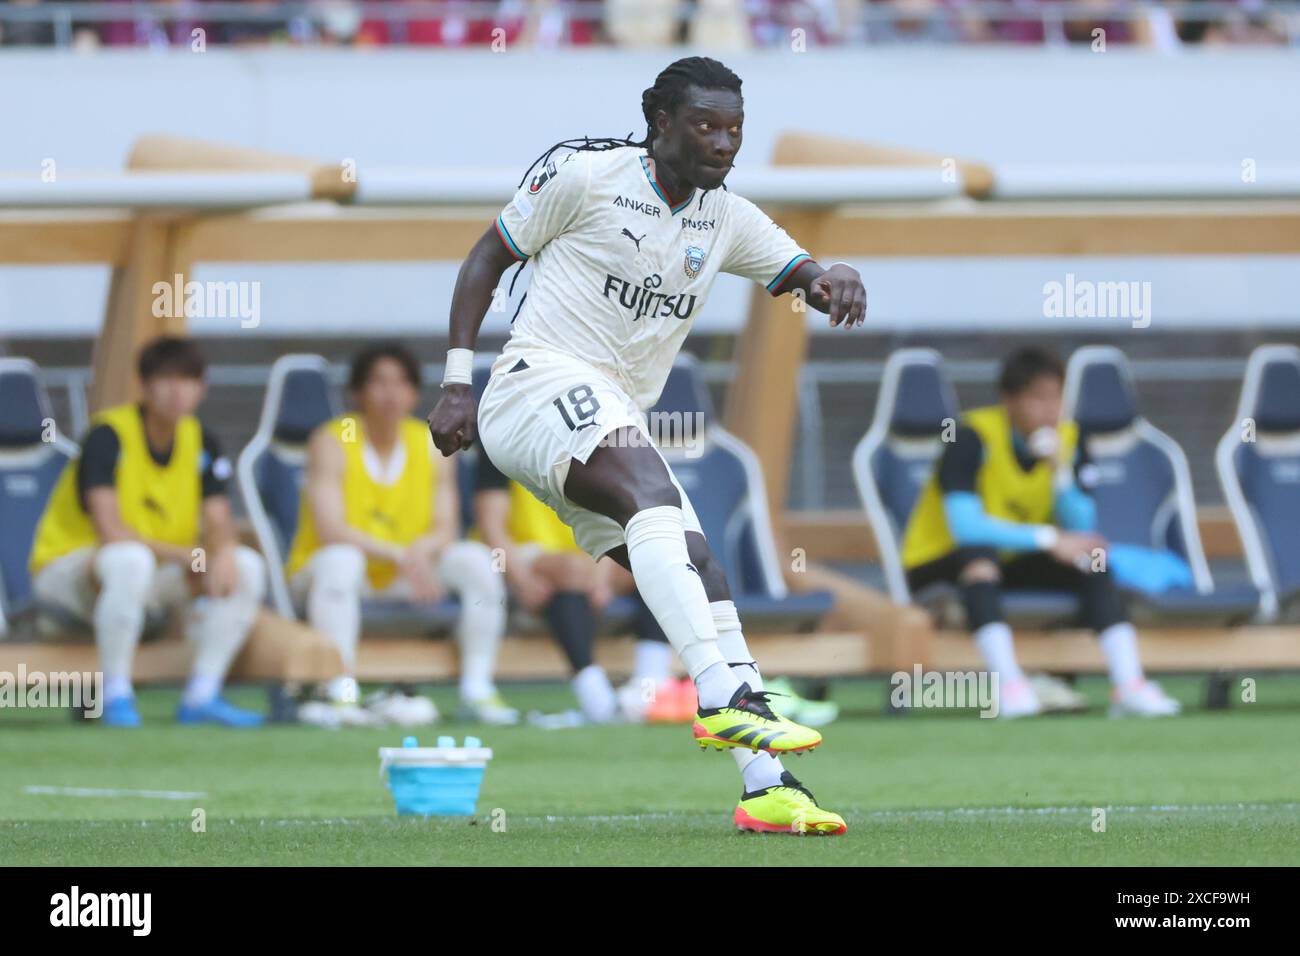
(338, 573)
(1119, 644)
(653, 662)
(219, 626)
(117, 685)
(125, 570)
(201, 689)
(595, 694)
(466, 567)
(731, 639)
(995, 643)
(674, 593)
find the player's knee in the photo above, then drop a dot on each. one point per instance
(126, 566)
(572, 572)
(341, 566)
(643, 496)
(252, 574)
(468, 567)
(980, 571)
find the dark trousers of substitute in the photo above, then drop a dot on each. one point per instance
(1101, 603)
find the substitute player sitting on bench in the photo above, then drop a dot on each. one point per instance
(380, 516)
(547, 572)
(988, 518)
(123, 529)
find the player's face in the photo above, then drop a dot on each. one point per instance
(1036, 406)
(707, 134)
(170, 397)
(388, 394)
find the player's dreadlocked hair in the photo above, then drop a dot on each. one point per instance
(667, 95)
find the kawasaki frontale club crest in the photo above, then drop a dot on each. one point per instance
(694, 261)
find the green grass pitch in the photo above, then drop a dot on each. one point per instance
(930, 787)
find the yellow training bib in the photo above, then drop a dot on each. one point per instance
(1007, 490)
(397, 513)
(158, 502)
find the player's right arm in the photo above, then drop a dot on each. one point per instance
(323, 485)
(541, 209)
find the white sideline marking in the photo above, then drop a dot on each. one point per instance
(1045, 811)
(110, 792)
(956, 812)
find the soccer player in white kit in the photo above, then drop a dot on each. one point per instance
(625, 240)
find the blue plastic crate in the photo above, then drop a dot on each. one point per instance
(434, 781)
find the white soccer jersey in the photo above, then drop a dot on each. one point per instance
(619, 275)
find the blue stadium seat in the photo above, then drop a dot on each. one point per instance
(893, 462)
(1258, 462)
(29, 469)
(722, 476)
(299, 397)
(1143, 488)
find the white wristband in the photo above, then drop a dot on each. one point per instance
(460, 367)
(1046, 536)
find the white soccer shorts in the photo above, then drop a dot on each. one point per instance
(533, 421)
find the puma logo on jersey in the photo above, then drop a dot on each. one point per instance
(697, 571)
(628, 233)
(585, 425)
(636, 205)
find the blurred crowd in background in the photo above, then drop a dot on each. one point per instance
(717, 24)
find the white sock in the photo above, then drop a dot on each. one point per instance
(338, 572)
(219, 626)
(124, 570)
(756, 773)
(653, 662)
(674, 593)
(716, 685)
(595, 694)
(201, 689)
(1119, 644)
(759, 770)
(117, 685)
(466, 566)
(994, 642)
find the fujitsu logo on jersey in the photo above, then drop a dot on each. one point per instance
(637, 205)
(642, 300)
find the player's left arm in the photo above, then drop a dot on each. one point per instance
(837, 291)
(764, 252)
(220, 573)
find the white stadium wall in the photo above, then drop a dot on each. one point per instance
(407, 108)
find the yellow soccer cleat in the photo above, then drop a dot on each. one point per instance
(789, 808)
(748, 721)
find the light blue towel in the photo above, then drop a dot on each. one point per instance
(1147, 569)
